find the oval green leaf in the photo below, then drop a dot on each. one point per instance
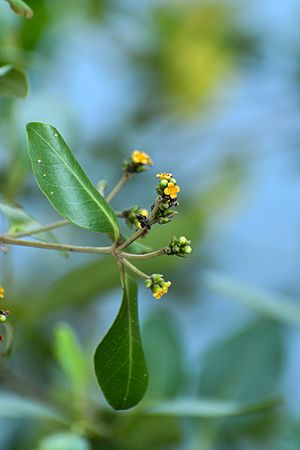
(13, 82)
(119, 359)
(64, 182)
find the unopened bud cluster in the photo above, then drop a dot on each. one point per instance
(137, 163)
(158, 285)
(136, 216)
(179, 247)
(167, 189)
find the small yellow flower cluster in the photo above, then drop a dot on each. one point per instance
(141, 158)
(158, 285)
(2, 292)
(161, 291)
(172, 190)
(167, 186)
(167, 189)
(137, 163)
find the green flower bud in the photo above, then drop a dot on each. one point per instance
(188, 249)
(157, 278)
(159, 190)
(125, 165)
(173, 242)
(168, 212)
(163, 206)
(176, 249)
(163, 183)
(182, 240)
(172, 180)
(163, 220)
(148, 283)
(3, 318)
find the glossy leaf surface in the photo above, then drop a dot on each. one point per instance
(64, 182)
(119, 359)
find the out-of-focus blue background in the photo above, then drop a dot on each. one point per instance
(211, 90)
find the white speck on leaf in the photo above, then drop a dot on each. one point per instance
(39, 161)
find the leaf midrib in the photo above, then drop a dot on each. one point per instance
(80, 182)
(130, 333)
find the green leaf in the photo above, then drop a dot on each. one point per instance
(245, 365)
(64, 441)
(65, 184)
(165, 366)
(70, 358)
(277, 307)
(209, 408)
(21, 8)
(14, 406)
(119, 359)
(13, 82)
(19, 221)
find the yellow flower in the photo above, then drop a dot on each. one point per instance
(2, 292)
(164, 176)
(141, 158)
(172, 190)
(157, 294)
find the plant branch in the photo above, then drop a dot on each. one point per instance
(118, 187)
(39, 230)
(135, 269)
(144, 255)
(59, 247)
(132, 238)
